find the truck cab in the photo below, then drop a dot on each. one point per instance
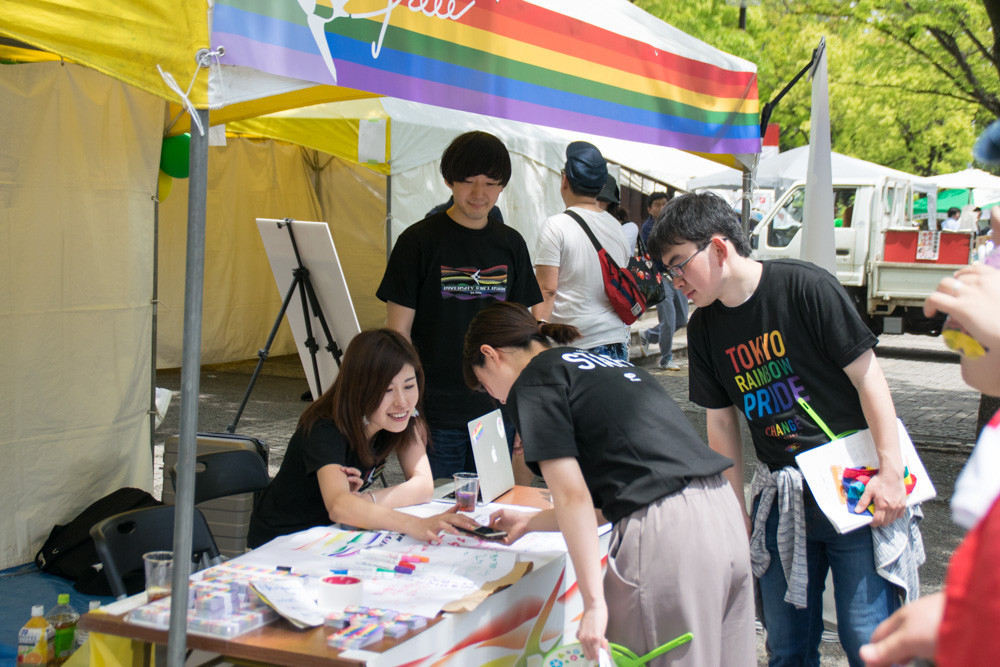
(887, 265)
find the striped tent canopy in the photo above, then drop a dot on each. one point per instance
(596, 66)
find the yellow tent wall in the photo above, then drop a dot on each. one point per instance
(249, 179)
(79, 156)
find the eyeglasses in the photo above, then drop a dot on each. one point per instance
(677, 270)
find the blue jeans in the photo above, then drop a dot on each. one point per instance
(451, 450)
(863, 598)
(672, 314)
(616, 351)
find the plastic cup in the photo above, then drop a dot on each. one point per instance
(159, 570)
(466, 490)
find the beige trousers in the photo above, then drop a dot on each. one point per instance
(682, 564)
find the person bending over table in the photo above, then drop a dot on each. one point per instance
(341, 445)
(612, 445)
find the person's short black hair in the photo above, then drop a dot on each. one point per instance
(954, 211)
(475, 153)
(696, 218)
(652, 197)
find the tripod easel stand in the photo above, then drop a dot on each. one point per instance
(282, 242)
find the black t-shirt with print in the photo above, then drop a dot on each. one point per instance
(792, 338)
(293, 500)
(447, 273)
(632, 441)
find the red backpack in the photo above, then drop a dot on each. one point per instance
(619, 283)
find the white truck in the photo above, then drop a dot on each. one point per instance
(888, 266)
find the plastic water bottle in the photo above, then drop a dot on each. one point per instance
(954, 334)
(63, 619)
(34, 641)
(82, 635)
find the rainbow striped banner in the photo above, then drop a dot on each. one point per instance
(596, 66)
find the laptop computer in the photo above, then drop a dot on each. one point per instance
(492, 455)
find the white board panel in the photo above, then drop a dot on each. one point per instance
(318, 256)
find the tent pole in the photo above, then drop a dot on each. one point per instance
(388, 216)
(190, 378)
(745, 213)
(155, 304)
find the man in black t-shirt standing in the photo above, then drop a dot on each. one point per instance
(765, 336)
(445, 269)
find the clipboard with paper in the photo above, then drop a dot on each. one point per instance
(836, 473)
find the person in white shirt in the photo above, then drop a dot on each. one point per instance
(950, 223)
(566, 264)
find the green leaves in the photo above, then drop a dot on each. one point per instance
(912, 82)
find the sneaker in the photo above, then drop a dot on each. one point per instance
(670, 366)
(643, 343)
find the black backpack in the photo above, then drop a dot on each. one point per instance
(69, 551)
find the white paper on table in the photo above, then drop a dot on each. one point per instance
(820, 467)
(450, 574)
(292, 599)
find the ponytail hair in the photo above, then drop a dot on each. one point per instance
(507, 324)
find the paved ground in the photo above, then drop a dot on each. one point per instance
(930, 397)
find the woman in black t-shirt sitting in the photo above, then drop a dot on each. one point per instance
(614, 447)
(342, 443)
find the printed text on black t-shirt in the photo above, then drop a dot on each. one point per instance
(767, 381)
(473, 283)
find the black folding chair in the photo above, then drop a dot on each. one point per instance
(122, 539)
(227, 473)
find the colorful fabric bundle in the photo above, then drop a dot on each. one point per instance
(856, 479)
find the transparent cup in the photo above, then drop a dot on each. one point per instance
(159, 570)
(466, 490)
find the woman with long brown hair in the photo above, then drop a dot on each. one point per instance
(614, 447)
(341, 445)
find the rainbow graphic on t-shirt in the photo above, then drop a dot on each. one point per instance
(768, 382)
(472, 283)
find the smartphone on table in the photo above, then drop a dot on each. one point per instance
(484, 532)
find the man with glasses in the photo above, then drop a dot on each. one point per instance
(672, 312)
(764, 336)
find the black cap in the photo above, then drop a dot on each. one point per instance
(586, 168)
(987, 148)
(609, 192)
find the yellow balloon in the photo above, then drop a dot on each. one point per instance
(164, 184)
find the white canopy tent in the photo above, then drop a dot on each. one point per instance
(780, 171)
(984, 185)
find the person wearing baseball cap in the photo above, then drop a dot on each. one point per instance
(566, 264)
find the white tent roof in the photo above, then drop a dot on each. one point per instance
(544, 144)
(968, 178)
(985, 186)
(781, 170)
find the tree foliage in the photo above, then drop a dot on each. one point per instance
(912, 82)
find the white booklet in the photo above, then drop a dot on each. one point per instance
(823, 467)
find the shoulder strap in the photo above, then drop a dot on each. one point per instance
(640, 247)
(590, 234)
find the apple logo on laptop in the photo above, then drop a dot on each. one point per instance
(493, 452)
